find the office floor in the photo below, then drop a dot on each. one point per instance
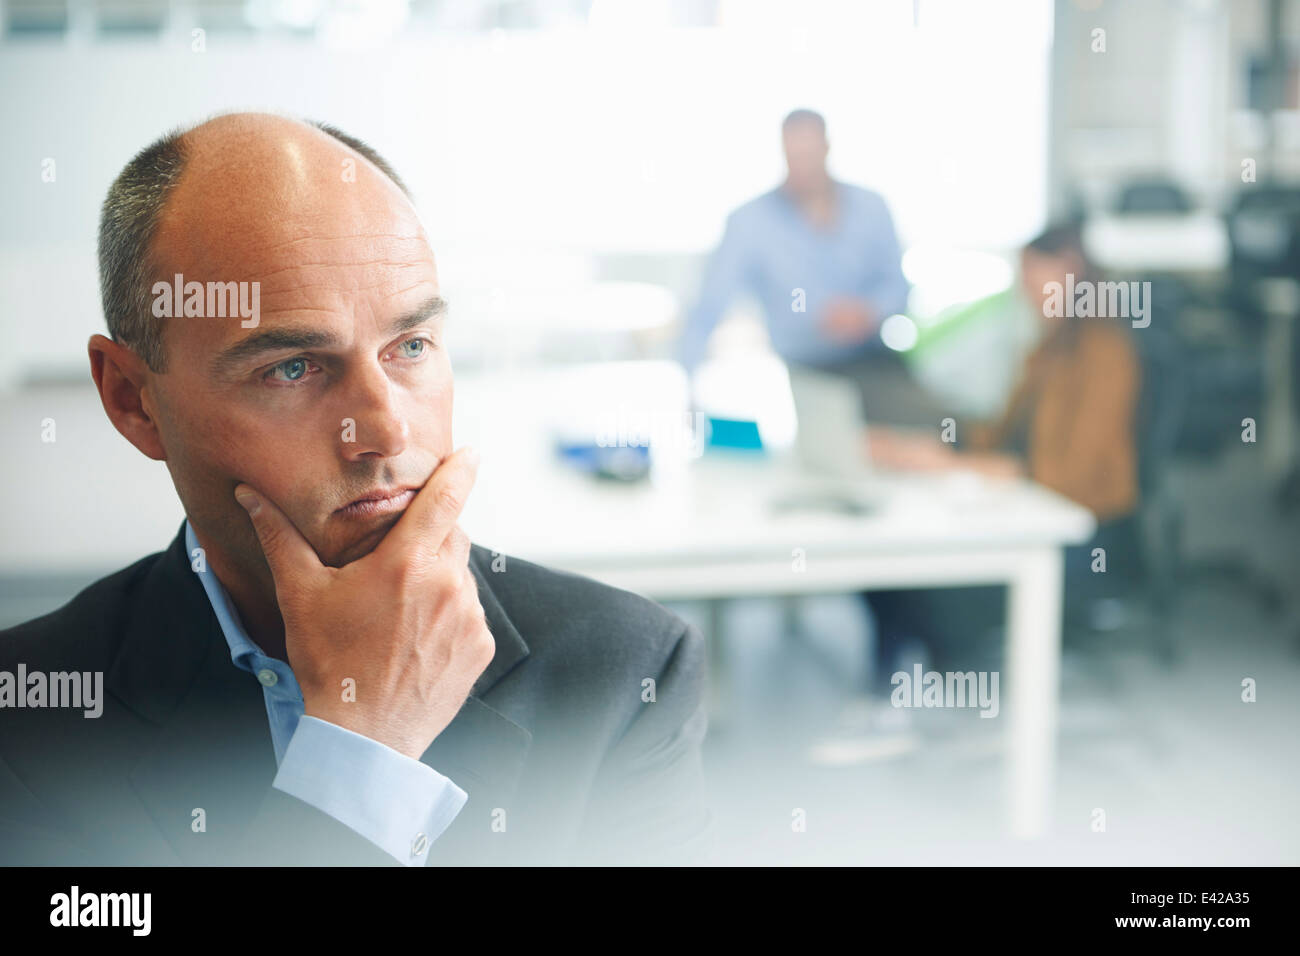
(1185, 772)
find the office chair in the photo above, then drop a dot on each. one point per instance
(1264, 233)
(1158, 425)
(1190, 407)
(1152, 196)
(1214, 385)
(1264, 230)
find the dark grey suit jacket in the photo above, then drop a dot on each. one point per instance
(562, 758)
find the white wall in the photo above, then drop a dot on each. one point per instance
(1167, 95)
(590, 141)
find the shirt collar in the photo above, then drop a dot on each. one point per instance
(243, 652)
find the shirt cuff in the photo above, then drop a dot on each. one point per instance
(399, 804)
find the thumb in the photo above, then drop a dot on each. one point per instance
(287, 551)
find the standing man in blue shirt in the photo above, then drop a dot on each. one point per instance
(822, 258)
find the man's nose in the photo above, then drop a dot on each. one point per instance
(372, 423)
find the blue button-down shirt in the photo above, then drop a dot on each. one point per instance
(399, 804)
(770, 249)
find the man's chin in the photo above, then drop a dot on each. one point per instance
(360, 543)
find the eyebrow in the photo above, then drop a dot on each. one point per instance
(303, 339)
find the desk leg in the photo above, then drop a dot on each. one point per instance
(1032, 688)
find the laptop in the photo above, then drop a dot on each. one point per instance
(830, 446)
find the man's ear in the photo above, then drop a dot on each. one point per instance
(121, 376)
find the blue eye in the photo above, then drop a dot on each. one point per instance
(418, 343)
(293, 370)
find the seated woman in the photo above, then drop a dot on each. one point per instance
(1068, 425)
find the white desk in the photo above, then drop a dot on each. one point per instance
(704, 529)
(1196, 242)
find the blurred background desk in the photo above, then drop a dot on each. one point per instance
(706, 529)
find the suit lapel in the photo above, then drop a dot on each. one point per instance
(482, 750)
(215, 754)
(209, 745)
(510, 645)
(208, 742)
(168, 629)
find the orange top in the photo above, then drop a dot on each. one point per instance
(1077, 399)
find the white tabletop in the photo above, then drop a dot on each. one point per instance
(1196, 242)
(718, 507)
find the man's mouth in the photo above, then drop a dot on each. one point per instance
(381, 502)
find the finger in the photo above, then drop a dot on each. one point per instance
(455, 547)
(287, 552)
(436, 507)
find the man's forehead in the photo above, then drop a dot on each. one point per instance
(332, 229)
(261, 193)
(309, 266)
(346, 289)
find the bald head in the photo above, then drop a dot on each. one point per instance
(240, 171)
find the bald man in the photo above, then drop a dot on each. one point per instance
(322, 668)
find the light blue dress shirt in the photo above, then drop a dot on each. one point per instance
(399, 804)
(769, 249)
